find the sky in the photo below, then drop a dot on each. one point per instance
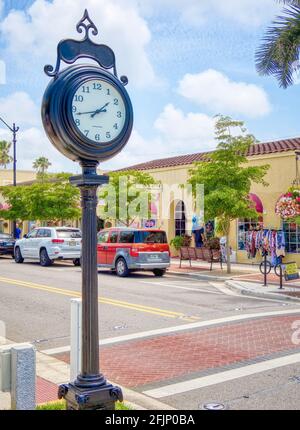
(186, 61)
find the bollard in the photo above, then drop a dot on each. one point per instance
(281, 280)
(23, 377)
(265, 269)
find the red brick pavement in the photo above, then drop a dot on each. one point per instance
(45, 391)
(160, 358)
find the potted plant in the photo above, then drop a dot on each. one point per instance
(212, 243)
(179, 241)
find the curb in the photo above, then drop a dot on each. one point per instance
(140, 401)
(234, 286)
(199, 276)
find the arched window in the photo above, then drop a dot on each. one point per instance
(180, 220)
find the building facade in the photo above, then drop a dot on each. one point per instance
(281, 158)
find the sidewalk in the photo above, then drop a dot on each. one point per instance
(52, 372)
(241, 272)
(290, 292)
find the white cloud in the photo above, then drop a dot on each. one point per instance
(190, 132)
(19, 108)
(33, 143)
(251, 13)
(37, 31)
(177, 134)
(219, 94)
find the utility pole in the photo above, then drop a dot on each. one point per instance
(14, 131)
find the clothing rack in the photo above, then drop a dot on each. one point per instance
(267, 242)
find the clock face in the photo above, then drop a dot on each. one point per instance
(98, 111)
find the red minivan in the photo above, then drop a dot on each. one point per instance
(129, 249)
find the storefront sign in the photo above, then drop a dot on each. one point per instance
(149, 223)
(290, 271)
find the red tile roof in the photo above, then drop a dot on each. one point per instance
(182, 160)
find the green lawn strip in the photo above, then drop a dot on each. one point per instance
(61, 405)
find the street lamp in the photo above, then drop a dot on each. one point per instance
(14, 131)
(87, 115)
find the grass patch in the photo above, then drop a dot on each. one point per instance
(57, 405)
(61, 405)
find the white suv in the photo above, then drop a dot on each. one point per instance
(47, 244)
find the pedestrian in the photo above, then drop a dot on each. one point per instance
(199, 236)
(18, 232)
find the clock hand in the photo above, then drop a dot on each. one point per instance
(99, 110)
(92, 111)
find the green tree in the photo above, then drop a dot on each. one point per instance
(41, 165)
(54, 200)
(5, 158)
(127, 196)
(279, 53)
(226, 177)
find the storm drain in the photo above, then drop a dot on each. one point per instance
(213, 406)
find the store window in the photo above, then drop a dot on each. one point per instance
(180, 220)
(292, 237)
(244, 225)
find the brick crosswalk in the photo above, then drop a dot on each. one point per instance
(162, 358)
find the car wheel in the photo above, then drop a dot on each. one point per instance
(159, 272)
(44, 258)
(18, 256)
(121, 268)
(77, 262)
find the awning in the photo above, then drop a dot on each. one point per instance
(257, 203)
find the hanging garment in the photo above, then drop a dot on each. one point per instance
(252, 245)
(259, 240)
(280, 244)
(273, 235)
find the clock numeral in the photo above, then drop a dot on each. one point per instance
(85, 89)
(78, 98)
(97, 136)
(108, 136)
(116, 102)
(97, 86)
(116, 126)
(77, 122)
(108, 92)
(86, 132)
(74, 109)
(119, 114)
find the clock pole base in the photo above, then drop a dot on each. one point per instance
(84, 398)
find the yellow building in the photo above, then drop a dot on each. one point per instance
(6, 178)
(280, 155)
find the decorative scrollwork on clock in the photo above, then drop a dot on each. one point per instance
(70, 50)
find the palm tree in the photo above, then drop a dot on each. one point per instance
(279, 53)
(41, 165)
(5, 158)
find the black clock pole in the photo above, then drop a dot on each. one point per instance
(90, 390)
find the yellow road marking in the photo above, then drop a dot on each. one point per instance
(104, 300)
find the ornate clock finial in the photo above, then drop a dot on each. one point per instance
(70, 50)
(87, 24)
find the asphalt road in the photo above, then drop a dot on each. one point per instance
(35, 306)
(35, 302)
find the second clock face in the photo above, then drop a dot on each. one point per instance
(98, 111)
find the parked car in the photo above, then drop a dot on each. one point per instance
(48, 244)
(127, 249)
(7, 243)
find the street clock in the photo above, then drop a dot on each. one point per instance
(86, 110)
